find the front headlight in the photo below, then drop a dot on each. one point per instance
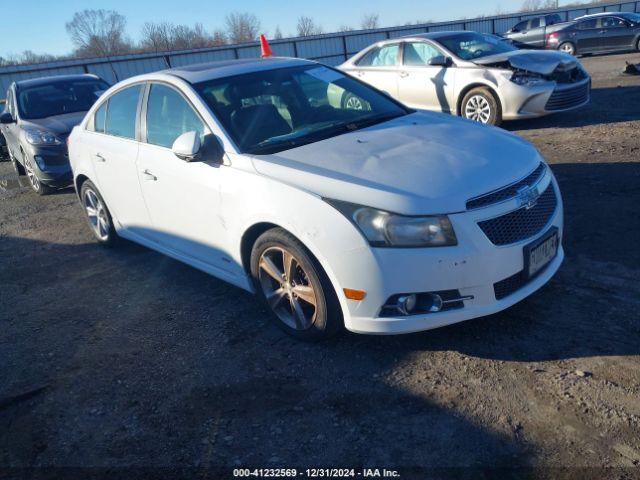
(41, 137)
(385, 229)
(527, 80)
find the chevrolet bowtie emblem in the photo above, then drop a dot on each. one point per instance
(528, 197)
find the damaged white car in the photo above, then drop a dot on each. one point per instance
(477, 76)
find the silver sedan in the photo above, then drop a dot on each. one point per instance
(478, 76)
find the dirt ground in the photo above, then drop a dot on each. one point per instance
(113, 360)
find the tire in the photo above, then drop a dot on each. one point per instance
(19, 169)
(353, 102)
(567, 47)
(285, 295)
(638, 45)
(480, 105)
(101, 223)
(37, 186)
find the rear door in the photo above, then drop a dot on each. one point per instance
(112, 144)
(616, 34)
(535, 35)
(379, 67)
(587, 35)
(421, 85)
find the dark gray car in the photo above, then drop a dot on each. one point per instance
(532, 32)
(38, 117)
(601, 32)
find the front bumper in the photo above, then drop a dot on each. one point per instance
(54, 168)
(472, 267)
(521, 102)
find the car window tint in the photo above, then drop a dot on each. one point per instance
(553, 19)
(99, 119)
(613, 22)
(365, 61)
(386, 56)
(419, 53)
(586, 24)
(535, 23)
(169, 115)
(520, 26)
(121, 113)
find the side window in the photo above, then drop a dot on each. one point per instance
(99, 119)
(535, 23)
(520, 26)
(169, 115)
(587, 24)
(386, 56)
(368, 58)
(419, 53)
(613, 22)
(121, 114)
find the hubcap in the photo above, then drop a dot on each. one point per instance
(354, 103)
(567, 48)
(97, 214)
(287, 288)
(31, 175)
(478, 109)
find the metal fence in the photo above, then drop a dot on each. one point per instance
(331, 49)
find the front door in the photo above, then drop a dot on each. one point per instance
(379, 68)
(421, 85)
(616, 34)
(183, 198)
(587, 35)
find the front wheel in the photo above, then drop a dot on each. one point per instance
(38, 187)
(294, 287)
(97, 214)
(567, 47)
(481, 106)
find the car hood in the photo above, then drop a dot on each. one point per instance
(542, 62)
(422, 163)
(60, 124)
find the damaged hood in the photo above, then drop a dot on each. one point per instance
(543, 62)
(418, 164)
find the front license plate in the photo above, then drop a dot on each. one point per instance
(538, 254)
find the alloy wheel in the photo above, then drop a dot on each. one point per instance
(31, 175)
(478, 109)
(287, 288)
(567, 48)
(354, 103)
(97, 214)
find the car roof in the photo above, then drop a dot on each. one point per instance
(436, 35)
(34, 82)
(213, 70)
(603, 14)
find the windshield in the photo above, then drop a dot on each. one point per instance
(59, 97)
(270, 111)
(471, 45)
(634, 17)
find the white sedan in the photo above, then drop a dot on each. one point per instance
(384, 220)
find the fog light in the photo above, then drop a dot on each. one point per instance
(407, 303)
(433, 302)
(40, 161)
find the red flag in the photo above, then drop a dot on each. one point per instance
(265, 49)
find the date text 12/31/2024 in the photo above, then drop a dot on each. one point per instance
(316, 473)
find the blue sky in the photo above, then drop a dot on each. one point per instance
(40, 26)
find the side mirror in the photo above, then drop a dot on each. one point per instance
(187, 146)
(439, 61)
(6, 118)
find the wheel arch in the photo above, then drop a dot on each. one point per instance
(78, 181)
(470, 87)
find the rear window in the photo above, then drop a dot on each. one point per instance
(586, 24)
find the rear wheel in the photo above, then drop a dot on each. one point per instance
(567, 47)
(97, 214)
(481, 106)
(294, 287)
(638, 44)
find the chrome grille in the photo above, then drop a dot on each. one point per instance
(562, 99)
(507, 192)
(523, 223)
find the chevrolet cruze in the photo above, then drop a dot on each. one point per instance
(381, 220)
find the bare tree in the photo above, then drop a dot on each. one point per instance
(156, 37)
(345, 28)
(98, 32)
(533, 5)
(219, 37)
(370, 21)
(242, 27)
(307, 26)
(278, 33)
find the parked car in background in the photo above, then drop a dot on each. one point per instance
(38, 116)
(477, 76)
(598, 33)
(533, 31)
(384, 220)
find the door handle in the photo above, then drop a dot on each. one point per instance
(100, 158)
(603, 31)
(404, 74)
(148, 175)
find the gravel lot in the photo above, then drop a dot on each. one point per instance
(125, 358)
